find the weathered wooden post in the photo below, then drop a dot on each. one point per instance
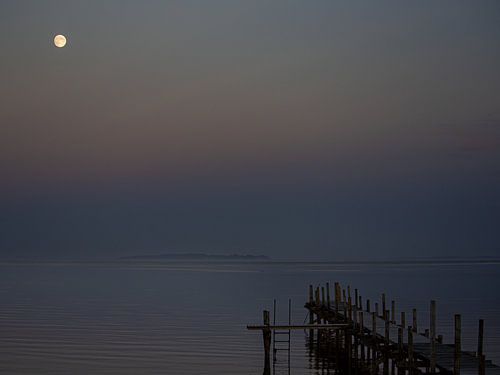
(383, 303)
(400, 340)
(374, 344)
(400, 349)
(386, 342)
(403, 319)
(348, 348)
(362, 334)
(337, 297)
(374, 328)
(311, 301)
(356, 297)
(368, 306)
(482, 365)
(355, 314)
(433, 337)
(360, 303)
(346, 311)
(266, 334)
(323, 298)
(410, 350)
(349, 308)
(386, 327)
(376, 308)
(311, 315)
(318, 306)
(393, 311)
(458, 344)
(415, 329)
(328, 296)
(480, 338)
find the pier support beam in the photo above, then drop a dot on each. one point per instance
(480, 336)
(433, 336)
(266, 335)
(415, 328)
(458, 343)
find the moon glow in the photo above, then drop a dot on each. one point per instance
(60, 41)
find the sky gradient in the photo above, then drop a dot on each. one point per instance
(295, 129)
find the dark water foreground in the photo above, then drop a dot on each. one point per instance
(114, 318)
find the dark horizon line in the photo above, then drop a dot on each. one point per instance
(260, 259)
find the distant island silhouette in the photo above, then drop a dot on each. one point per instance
(196, 256)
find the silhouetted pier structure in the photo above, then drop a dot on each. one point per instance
(352, 337)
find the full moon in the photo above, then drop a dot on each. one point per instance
(60, 41)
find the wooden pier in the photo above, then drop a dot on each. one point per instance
(370, 338)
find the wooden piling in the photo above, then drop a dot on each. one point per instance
(433, 336)
(414, 326)
(348, 346)
(480, 336)
(328, 295)
(400, 340)
(410, 350)
(482, 365)
(323, 298)
(356, 297)
(355, 314)
(318, 303)
(376, 308)
(374, 326)
(337, 297)
(368, 306)
(383, 303)
(393, 311)
(266, 335)
(349, 308)
(458, 344)
(403, 319)
(387, 326)
(374, 363)
(362, 333)
(311, 301)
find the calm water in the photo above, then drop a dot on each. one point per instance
(191, 318)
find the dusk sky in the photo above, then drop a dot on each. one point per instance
(296, 129)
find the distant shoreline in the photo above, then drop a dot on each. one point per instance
(253, 260)
(197, 257)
